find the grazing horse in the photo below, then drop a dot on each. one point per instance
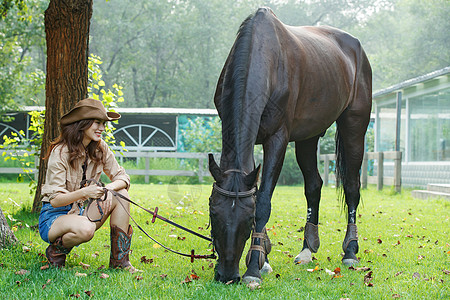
(279, 84)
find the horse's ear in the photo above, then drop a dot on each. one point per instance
(214, 168)
(251, 179)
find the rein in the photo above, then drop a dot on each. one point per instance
(155, 215)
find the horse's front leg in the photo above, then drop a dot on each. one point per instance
(257, 261)
(306, 154)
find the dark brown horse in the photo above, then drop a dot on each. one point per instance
(280, 84)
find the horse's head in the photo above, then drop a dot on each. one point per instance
(232, 211)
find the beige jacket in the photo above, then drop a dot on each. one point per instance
(62, 178)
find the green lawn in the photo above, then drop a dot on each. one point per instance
(405, 243)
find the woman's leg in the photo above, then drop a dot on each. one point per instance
(73, 229)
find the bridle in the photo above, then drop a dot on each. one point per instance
(231, 194)
(155, 215)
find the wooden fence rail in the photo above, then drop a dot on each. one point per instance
(202, 172)
(379, 179)
(147, 171)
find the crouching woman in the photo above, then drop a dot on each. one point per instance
(79, 153)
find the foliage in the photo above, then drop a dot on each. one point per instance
(21, 41)
(147, 48)
(409, 259)
(203, 135)
(406, 41)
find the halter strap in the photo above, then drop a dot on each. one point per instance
(234, 194)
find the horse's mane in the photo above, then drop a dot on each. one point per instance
(234, 87)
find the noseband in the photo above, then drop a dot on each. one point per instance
(230, 194)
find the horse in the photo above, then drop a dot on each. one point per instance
(282, 84)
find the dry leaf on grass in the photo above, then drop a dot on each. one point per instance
(22, 272)
(146, 260)
(104, 276)
(85, 266)
(77, 274)
(253, 285)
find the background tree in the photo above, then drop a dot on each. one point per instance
(67, 35)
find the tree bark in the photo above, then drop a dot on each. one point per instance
(67, 34)
(7, 237)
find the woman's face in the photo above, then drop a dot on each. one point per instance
(93, 133)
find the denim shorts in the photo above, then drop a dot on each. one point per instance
(48, 215)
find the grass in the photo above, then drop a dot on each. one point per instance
(404, 241)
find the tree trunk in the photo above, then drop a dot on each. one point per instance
(7, 237)
(67, 34)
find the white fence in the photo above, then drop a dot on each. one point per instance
(380, 179)
(147, 171)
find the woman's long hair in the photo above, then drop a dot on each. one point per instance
(72, 136)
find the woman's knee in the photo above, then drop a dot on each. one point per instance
(86, 231)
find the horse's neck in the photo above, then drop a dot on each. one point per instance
(242, 160)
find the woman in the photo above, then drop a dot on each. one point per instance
(79, 153)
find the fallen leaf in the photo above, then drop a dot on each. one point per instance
(313, 270)
(146, 260)
(420, 257)
(186, 280)
(163, 276)
(80, 274)
(368, 277)
(447, 272)
(104, 276)
(139, 277)
(89, 293)
(173, 235)
(365, 269)
(253, 285)
(84, 266)
(329, 272)
(277, 276)
(101, 267)
(396, 296)
(397, 274)
(45, 267)
(181, 238)
(75, 295)
(379, 241)
(156, 246)
(416, 275)
(26, 249)
(337, 273)
(22, 272)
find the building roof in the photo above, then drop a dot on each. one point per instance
(151, 110)
(411, 82)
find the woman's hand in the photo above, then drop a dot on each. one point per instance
(106, 205)
(92, 191)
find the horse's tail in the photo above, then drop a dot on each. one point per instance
(341, 167)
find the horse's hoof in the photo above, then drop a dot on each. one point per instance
(304, 257)
(266, 269)
(350, 262)
(251, 280)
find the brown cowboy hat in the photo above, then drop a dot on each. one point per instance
(88, 109)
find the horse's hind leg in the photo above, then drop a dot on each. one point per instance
(306, 153)
(351, 128)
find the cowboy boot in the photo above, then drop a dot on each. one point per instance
(120, 249)
(56, 253)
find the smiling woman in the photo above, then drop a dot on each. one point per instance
(77, 155)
